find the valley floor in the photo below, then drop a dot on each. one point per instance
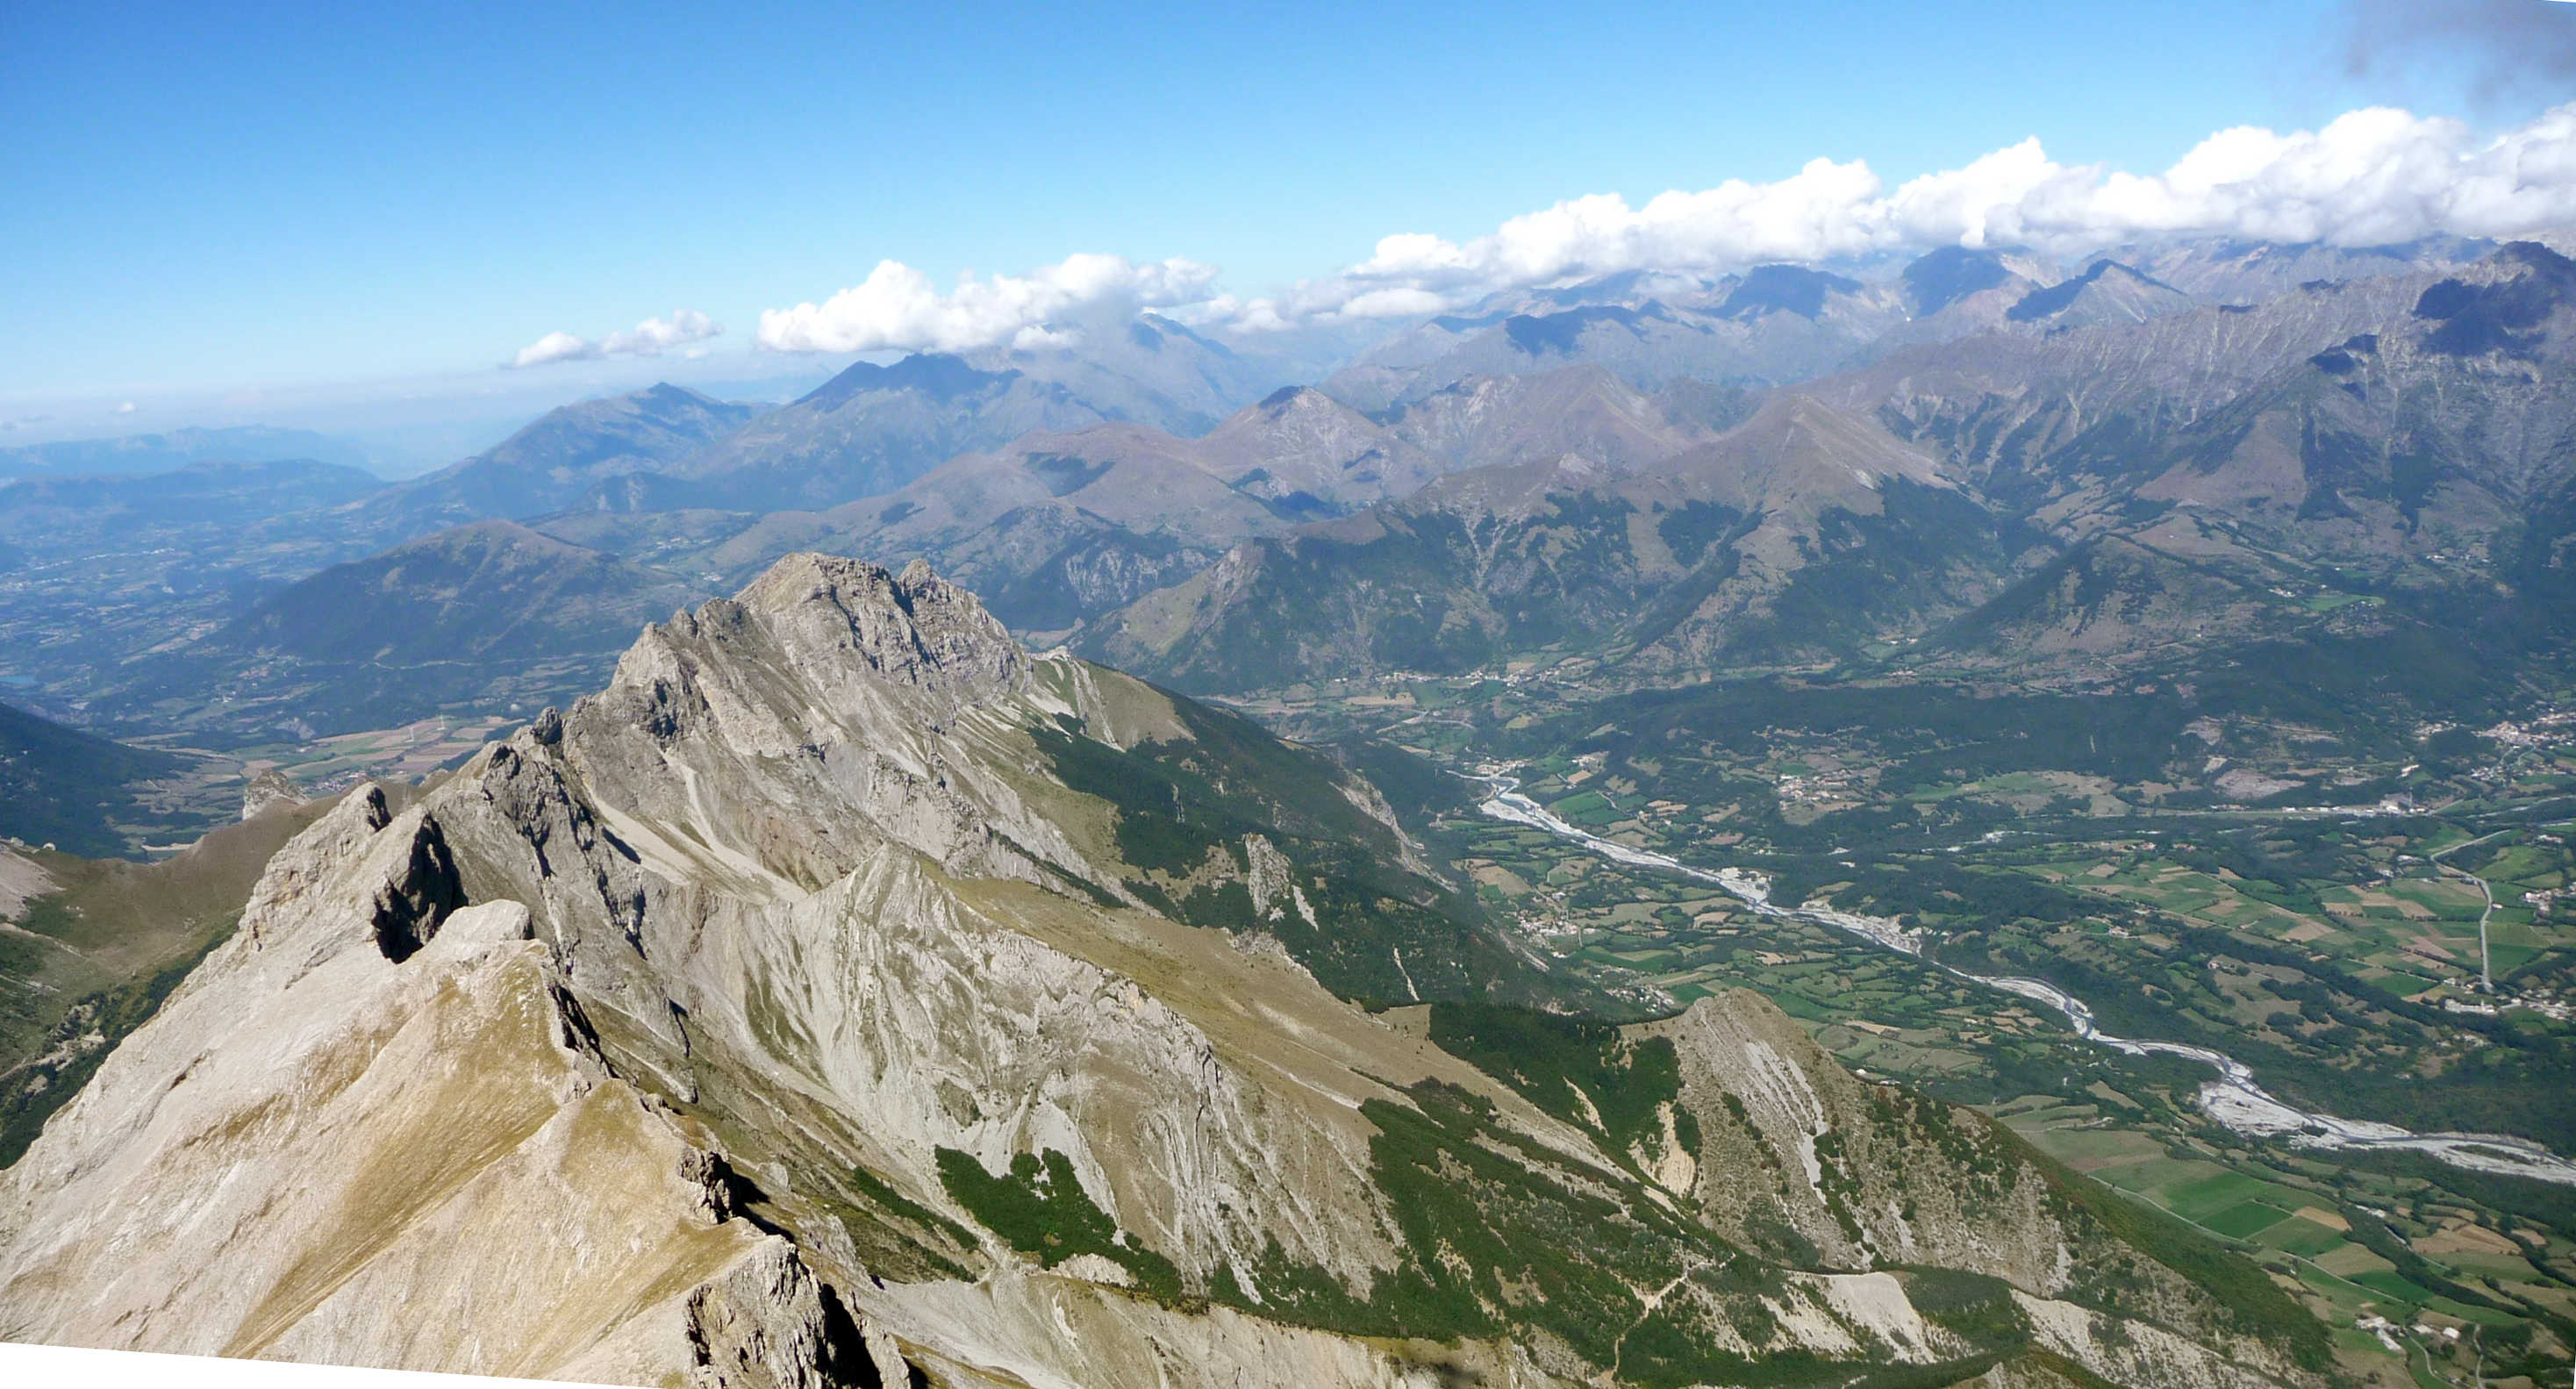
(2341, 950)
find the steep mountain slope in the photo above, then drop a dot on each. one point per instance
(92, 946)
(484, 616)
(2416, 462)
(1300, 448)
(805, 1009)
(1544, 416)
(576, 455)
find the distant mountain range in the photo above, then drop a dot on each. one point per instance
(1061, 527)
(574, 456)
(2211, 472)
(177, 448)
(490, 615)
(1775, 325)
(1670, 474)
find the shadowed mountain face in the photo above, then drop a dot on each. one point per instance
(901, 1006)
(1770, 289)
(2107, 292)
(1941, 278)
(84, 793)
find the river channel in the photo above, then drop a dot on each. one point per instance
(2232, 1098)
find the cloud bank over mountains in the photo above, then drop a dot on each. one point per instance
(2374, 176)
(650, 338)
(2371, 177)
(898, 308)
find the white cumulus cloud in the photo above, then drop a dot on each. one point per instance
(897, 308)
(650, 338)
(2369, 177)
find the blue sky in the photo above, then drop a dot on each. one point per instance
(202, 196)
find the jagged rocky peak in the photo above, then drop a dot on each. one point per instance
(840, 627)
(2504, 304)
(914, 627)
(269, 790)
(811, 717)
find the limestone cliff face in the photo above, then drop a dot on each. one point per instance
(771, 859)
(1799, 1157)
(316, 1151)
(1802, 1156)
(668, 1041)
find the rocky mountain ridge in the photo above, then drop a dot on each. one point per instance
(2341, 438)
(817, 1005)
(1060, 527)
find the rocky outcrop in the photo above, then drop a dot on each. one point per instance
(269, 790)
(316, 1151)
(1802, 1157)
(1799, 1157)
